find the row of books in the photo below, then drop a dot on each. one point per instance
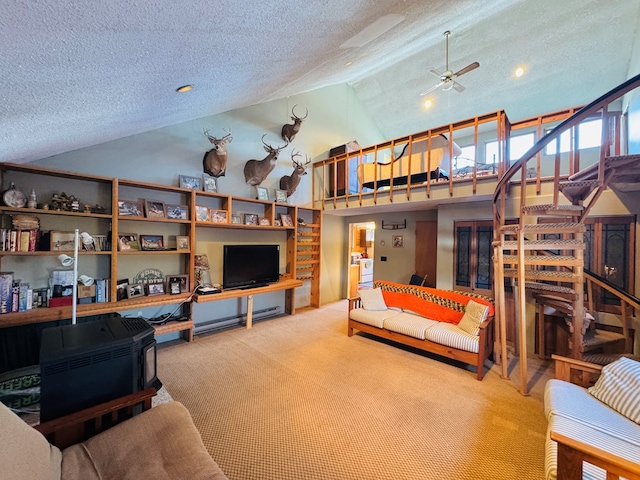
(12, 240)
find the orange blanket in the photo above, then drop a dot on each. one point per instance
(441, 305)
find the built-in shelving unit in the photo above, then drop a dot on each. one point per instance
(113, 262)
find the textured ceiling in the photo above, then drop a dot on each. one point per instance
(78, 73)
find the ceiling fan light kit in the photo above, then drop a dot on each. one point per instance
(448, 78)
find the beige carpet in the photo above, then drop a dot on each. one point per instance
(295, 398)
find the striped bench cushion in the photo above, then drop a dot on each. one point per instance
(408, 324)
(375, 318)
(451, 336)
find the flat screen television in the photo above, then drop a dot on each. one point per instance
(248, 266)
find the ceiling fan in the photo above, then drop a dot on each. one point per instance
(448, 78)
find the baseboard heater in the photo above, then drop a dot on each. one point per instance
(235, 320)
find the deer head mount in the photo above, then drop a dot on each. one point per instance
(291, 182)
(214, 161)
(289, 130)
(255, 171)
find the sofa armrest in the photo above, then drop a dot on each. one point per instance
(572, 452)
(486, 323)
(576, 371)
(354, 302)
(80, 426)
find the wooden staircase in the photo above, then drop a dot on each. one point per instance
(523, 254)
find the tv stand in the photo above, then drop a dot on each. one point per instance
(289, 285)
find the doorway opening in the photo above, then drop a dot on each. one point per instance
(361, 255)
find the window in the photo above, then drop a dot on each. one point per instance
(589, 136)
(467, 157)
(518, 145)
(473, 270)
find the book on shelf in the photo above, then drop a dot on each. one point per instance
(6, 294)
(15, 240)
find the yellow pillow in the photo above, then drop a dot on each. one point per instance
(474, 315)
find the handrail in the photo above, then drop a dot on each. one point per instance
(572, 121)
(611, 288)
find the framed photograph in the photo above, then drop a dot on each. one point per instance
(218, 216)
(62, 241)
(135, 290)
(236, 219)
(128, 241)
(263, 193)
(174, 288)
(398, 241)
(202, 214)
(182, 242)
(152, 242)
(155, 288)
(264, 221)
(194, 183)
(181, 280)
(129, 208)
(121, 289)
(277, 222)
(209, 183)
(286, 220)
(154, 209)
(178, 212)
(281, 196)
(250, 219)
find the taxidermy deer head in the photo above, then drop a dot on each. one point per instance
(290, 182)
(214, 161)
(289, 130)
(255, 171)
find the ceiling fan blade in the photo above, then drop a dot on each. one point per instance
(466, 69)
(435, 87)
(457, 86)
(435, 72)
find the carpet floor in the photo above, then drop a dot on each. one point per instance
(296, 398)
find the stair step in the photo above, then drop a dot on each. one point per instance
(606, 358)
(551, 275)
(556, 290)
(554, 210)
(540, 228)
(549, 260)
(599, 338)
(577, 191)
(545, 245)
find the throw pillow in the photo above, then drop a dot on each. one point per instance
(474, 315)
(372, 299)
(619, 387)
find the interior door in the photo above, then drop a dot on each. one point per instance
(427, 251)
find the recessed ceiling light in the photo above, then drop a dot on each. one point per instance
(184, 88)
(348, 64)
(428, 103)
(519, 72)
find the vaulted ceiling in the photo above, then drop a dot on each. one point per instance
(75, 74)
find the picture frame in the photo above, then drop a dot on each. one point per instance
(194, 183)
(263, 193)
(181, 280)
(277, 222)
(135, 290)
(202, 214)
(182, 242)
(151, 242)
(177, 212)
(154, 209)
(155, 288)
(174, 288)
(236, 219)
(286, 220)
(264, 221)
(397, 241)
(250, 219)
(217, 216)
(130, 208)
(209, 183)
(281, 196)
(128, 241)
(62, 241)
(121, 289)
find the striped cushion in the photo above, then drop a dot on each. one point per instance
(372, 299)
(619, 387)
(408, 324)
(373, 318)
(452, 336)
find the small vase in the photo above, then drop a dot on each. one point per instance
(33, 199)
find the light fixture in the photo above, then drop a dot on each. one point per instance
(184, 88)
(86, 280)
(428, 103)
(87, 242)
(65, 260)
(519, 72)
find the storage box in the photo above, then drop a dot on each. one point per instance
(84, 292)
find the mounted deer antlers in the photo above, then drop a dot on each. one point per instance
(255, 171)
(289, 130)
(214, 161)
(290, 182)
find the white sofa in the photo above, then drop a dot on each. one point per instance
(586, 438)
(436, 321)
